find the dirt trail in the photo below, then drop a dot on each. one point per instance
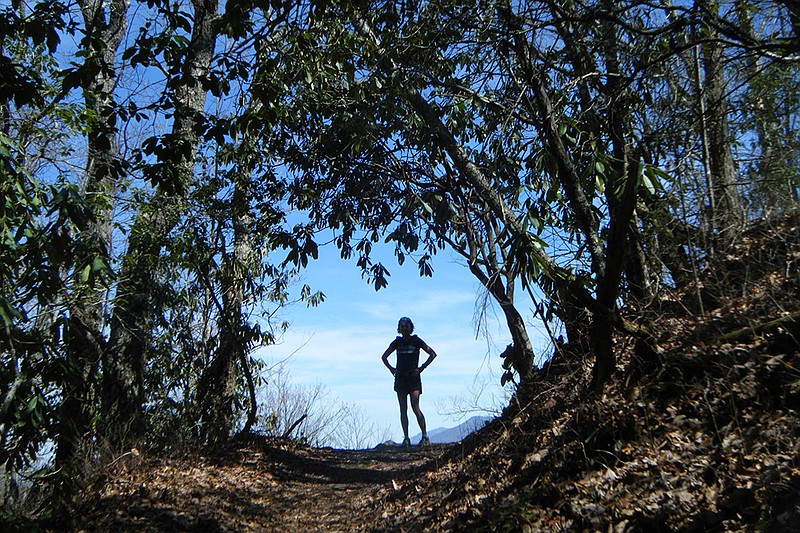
(262, 487)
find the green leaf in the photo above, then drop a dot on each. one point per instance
(600, 184)
(599, 167)
(99, 264)
(31, 405)
(648, 183)
(85, 273)
(425, 205)
(8, 313)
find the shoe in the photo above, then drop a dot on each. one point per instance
(425, 441)
(406, 442)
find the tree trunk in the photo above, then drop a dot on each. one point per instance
(607, 263)
(637, 273)
(217, 391)
(621, 192)
(217, 387)
(124, 360)
(727, 214)
(84, 340)
(78, 390)
(522, 347)
(576, 319)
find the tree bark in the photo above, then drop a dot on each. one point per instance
(608, 261)
(217, 386)
(105, 26)
(621, 193)
(727, 214)
(523, 349)
(124, 360)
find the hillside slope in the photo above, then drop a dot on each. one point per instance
(699, 430)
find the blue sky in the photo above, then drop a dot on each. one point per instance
(339, 344)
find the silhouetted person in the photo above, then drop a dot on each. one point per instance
(407, 381)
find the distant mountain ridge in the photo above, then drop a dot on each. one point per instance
(444, 435)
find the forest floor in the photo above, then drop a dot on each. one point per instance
(699, 430)
(259, 485)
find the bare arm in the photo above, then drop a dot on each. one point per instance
(385, 359)
(431, 357)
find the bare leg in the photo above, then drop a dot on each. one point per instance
(402, 399)
(420, 417)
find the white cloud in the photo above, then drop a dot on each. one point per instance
(339, 344)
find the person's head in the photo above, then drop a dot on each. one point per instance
(405, 324)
